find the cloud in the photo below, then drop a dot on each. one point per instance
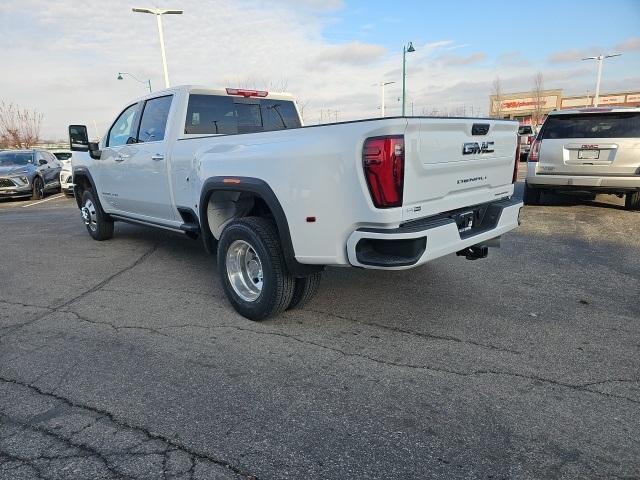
(456, 60)
(566, 56)
(513, 59)
(280, 44)
(574, 55)
(353, 53)
(628, 45)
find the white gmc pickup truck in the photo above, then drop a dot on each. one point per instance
(279, 201)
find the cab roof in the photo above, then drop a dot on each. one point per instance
(224, 91)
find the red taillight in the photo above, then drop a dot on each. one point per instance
(534, 153)
(246, 93)
(517, 162)
(383, 162)
(530, 139)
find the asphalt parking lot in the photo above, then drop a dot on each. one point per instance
(123, 359)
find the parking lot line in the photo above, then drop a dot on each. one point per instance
(42, 201)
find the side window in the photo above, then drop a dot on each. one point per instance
(154, 119)
(51, 158)
(207, 114)
(123, 129)
(40, 157)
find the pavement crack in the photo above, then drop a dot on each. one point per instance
(332, 349)
(458, 373)
(572, 386)
(122, 424)
(430, 336)
(115, 328)
(20, 304)
(101, 284)
(56, 308)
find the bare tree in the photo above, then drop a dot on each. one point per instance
(497, 94)
(302, 103)
(537, 93)
(19, 127)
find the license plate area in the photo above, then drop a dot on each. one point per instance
(588, 154)
(465, 221)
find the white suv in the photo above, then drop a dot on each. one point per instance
(66, 174)
(587, 150)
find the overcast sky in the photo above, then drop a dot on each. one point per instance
(62, 57)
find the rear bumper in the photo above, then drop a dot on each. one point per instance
(417, 242)
(584, 182)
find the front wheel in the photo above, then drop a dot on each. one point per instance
(99, 225)
(252, 268)
(37, 190)
(632, 201)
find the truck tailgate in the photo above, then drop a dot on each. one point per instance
(454, 163)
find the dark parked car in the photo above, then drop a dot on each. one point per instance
(28, 173)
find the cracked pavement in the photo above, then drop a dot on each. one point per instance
(123, 359)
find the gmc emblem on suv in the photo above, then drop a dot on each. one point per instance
(475, 147)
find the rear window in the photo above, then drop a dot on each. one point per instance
(525, 131)
(62, 155)
(590, 125)
(216, 114)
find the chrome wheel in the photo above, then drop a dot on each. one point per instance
(244, 270)
(89, 215)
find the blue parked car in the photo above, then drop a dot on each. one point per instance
(28, 173)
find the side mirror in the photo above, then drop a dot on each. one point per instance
(78, 138)
(42, 161)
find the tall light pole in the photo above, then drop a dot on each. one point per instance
(148, 82)
(406, 49)
(382, 85)
(158, 13)
(600, 59)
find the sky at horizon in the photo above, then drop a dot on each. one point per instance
(63, 57)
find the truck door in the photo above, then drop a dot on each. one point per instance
(144, 177)
(109, 174)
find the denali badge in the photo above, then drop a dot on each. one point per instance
(475, 147)
(472, 179)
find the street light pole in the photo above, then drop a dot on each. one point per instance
(148, 82)
(382, 85)
(600, 60)
(158, 13)
(405, 49)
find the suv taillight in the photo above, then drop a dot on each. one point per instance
(534, 153)
(530, 139)
(383, 162)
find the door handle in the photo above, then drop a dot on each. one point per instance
(157, 157)
(121, 157)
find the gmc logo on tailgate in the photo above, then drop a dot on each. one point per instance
(475, 147)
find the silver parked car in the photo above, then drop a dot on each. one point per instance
(28, 173)
(590, 150)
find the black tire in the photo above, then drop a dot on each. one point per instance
(98, 223)
(37, 189)
(305, 290)
(632, 201)
(531, 195)
(277, 287)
